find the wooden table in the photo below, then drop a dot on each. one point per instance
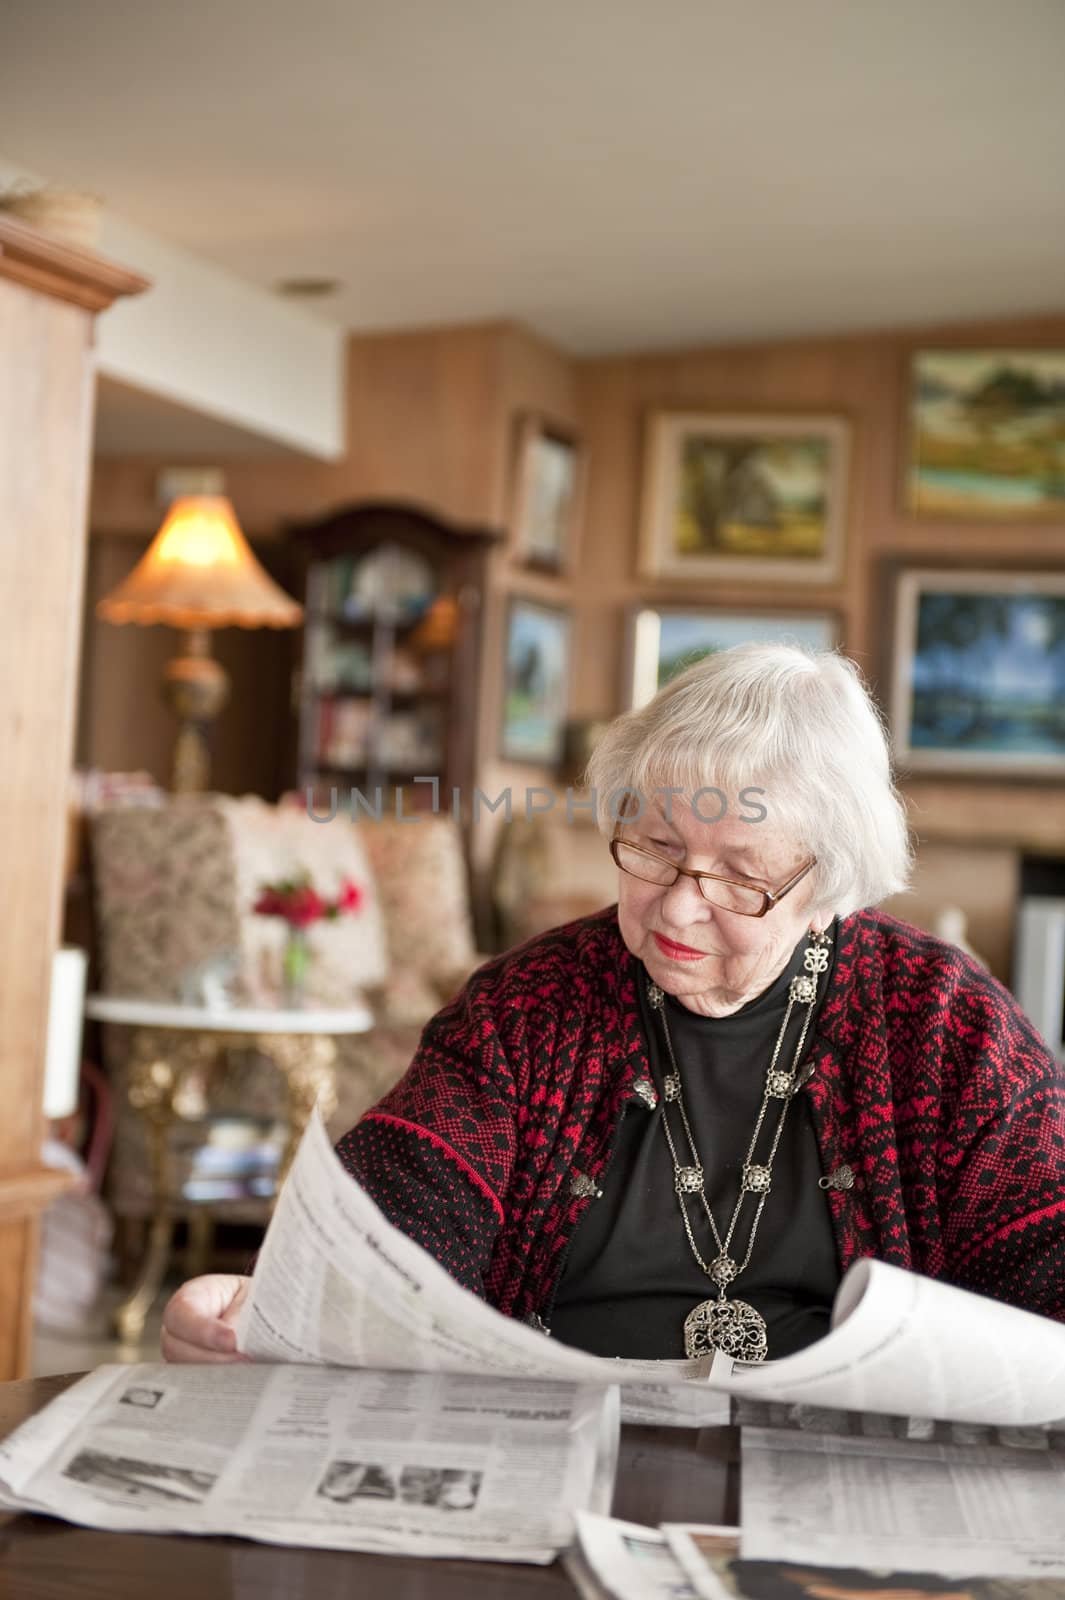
(674, 1474)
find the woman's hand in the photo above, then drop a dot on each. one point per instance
(198, 1320)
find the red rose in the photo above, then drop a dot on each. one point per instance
(305, 906)
(350, 897)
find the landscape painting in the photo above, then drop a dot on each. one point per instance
(751, 498)
(668, 639)
(987, 434)
(537, 669)
(979, 680)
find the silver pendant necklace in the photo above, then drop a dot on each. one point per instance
(733, 1326)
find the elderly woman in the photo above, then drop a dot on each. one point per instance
(673, 1125)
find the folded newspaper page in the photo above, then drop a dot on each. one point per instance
(916, 1347)
(417, 1463)
(895, 1502)
(615, 1560)
(336, 1283)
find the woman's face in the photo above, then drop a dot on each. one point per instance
(713, 961)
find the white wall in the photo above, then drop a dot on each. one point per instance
(211, 342)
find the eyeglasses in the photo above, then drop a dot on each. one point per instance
(745, 899)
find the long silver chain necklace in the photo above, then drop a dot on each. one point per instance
(733, 1326)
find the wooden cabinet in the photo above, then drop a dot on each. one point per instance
(388, 686)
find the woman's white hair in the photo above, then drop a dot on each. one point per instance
(796, 724)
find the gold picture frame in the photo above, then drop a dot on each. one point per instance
(745, 497)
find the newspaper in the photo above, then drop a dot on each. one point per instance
(885, 1502)
(916, 1347)
(615, 1560)
(335, 1282)
(419, 1463)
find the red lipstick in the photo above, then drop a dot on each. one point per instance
(677, 952)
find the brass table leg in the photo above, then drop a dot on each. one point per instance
(168, 1072)
(160, 1062)
(307, 1062)
(201, 1240)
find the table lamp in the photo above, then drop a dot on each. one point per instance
(197, 574)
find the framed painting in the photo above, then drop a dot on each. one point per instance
(987, 434)
(547, 497)
(536, 682)
(978, 677)
(753, 498)
(666, 639)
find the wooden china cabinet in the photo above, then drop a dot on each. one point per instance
(388, 687)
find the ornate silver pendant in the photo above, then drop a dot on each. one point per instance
(731, 1326)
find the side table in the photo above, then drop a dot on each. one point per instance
(173, 1051)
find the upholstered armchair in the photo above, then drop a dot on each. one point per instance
(174, 889)
(548, 869)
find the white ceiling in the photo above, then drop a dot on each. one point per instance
(619, 174)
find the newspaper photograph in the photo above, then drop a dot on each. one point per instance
(419, 1463)
(705, 1553)
(615, 1560)
(710, 1557)
(935, 1507)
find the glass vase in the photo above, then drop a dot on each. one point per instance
(295, 961)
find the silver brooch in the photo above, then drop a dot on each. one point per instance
(779, 1084)
(581, 1187)
(804, 989)
(842, 1178)
(655, 997)
(671, 1086)
(757, 1179)
(816, 958)
(647, 1092)
(688, 1180)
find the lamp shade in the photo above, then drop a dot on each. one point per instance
(199, 572)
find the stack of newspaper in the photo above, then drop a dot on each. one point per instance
(385, 1408)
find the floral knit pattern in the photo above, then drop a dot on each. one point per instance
(929, 1082)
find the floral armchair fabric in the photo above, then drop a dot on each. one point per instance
(174, 887)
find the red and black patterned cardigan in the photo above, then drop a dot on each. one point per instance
(927, 1081)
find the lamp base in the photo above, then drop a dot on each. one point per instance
(195, 687)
